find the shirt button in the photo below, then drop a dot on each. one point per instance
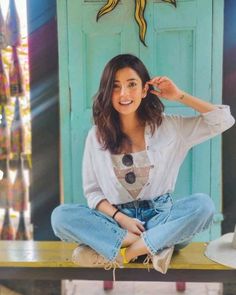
(152, 166)
(147, 147)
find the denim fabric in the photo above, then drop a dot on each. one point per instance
(167, 223)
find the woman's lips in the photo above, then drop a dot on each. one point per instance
(125, 102)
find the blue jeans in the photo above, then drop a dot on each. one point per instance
(166, 223)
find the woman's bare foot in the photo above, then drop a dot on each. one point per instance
(136, 249)
(129, 239)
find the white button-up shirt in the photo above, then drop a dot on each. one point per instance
(166, 148)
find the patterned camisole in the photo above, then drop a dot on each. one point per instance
(141, 167)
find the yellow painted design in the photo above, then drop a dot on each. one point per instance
(139, 17)
(173, 2)
(108, 7)
(139, 14)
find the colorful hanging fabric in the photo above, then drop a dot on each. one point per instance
(19, 191)
(27, 161)
(4, 86)
(7, 232)
(13, 35)
(17, 132)
(4, 136)
(21, 233)
(4, 151)
(3, 42)
(13, 38)
(5, 195)
(15, 75)
(27, 165)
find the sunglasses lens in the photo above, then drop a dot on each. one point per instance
(127, 160)
(130, 177)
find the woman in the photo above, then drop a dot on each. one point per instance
(131, 161)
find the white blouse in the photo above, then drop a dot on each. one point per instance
(166, 150)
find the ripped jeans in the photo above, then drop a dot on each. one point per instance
(167, 223)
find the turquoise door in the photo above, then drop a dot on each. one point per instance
(180, 45)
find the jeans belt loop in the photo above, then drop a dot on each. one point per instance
(136, 204)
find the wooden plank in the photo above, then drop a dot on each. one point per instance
(126, 274)
(52, 261)
(58, 254)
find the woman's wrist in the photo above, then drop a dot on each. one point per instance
(181, 96)
(115, 213)
(196, 103)
(119, 216)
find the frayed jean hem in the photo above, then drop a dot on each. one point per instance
(154, 250)
(146, 241)
(118, 245)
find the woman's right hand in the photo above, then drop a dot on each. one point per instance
(131, 224)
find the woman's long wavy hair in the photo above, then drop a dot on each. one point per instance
(106, 118)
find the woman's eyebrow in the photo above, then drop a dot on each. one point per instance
(131, 79)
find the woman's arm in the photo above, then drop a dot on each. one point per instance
(124, 221)
(197, 104)
(105, 207)
(212, 120)
(168, 90)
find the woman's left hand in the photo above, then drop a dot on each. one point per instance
(166, 88)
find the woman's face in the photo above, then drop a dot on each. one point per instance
(128, 91)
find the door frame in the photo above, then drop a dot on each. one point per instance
(65, 103)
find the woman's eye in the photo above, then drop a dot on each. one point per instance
(132, 84)
(115, 86)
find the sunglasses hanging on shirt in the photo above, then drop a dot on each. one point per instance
(127, 160)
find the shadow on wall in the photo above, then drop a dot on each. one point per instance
(229, 137)
(43, 59)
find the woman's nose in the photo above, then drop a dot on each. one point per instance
(123, 91)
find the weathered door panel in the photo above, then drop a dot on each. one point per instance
(179, 45)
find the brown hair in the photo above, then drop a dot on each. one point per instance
(106, 118)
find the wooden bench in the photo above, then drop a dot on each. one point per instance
(52, 261)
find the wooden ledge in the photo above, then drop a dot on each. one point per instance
(58, 254)
(52, 260)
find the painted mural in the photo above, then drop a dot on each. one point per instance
(140, 6)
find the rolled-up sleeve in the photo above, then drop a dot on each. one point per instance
(197, 129)
(92, 191)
